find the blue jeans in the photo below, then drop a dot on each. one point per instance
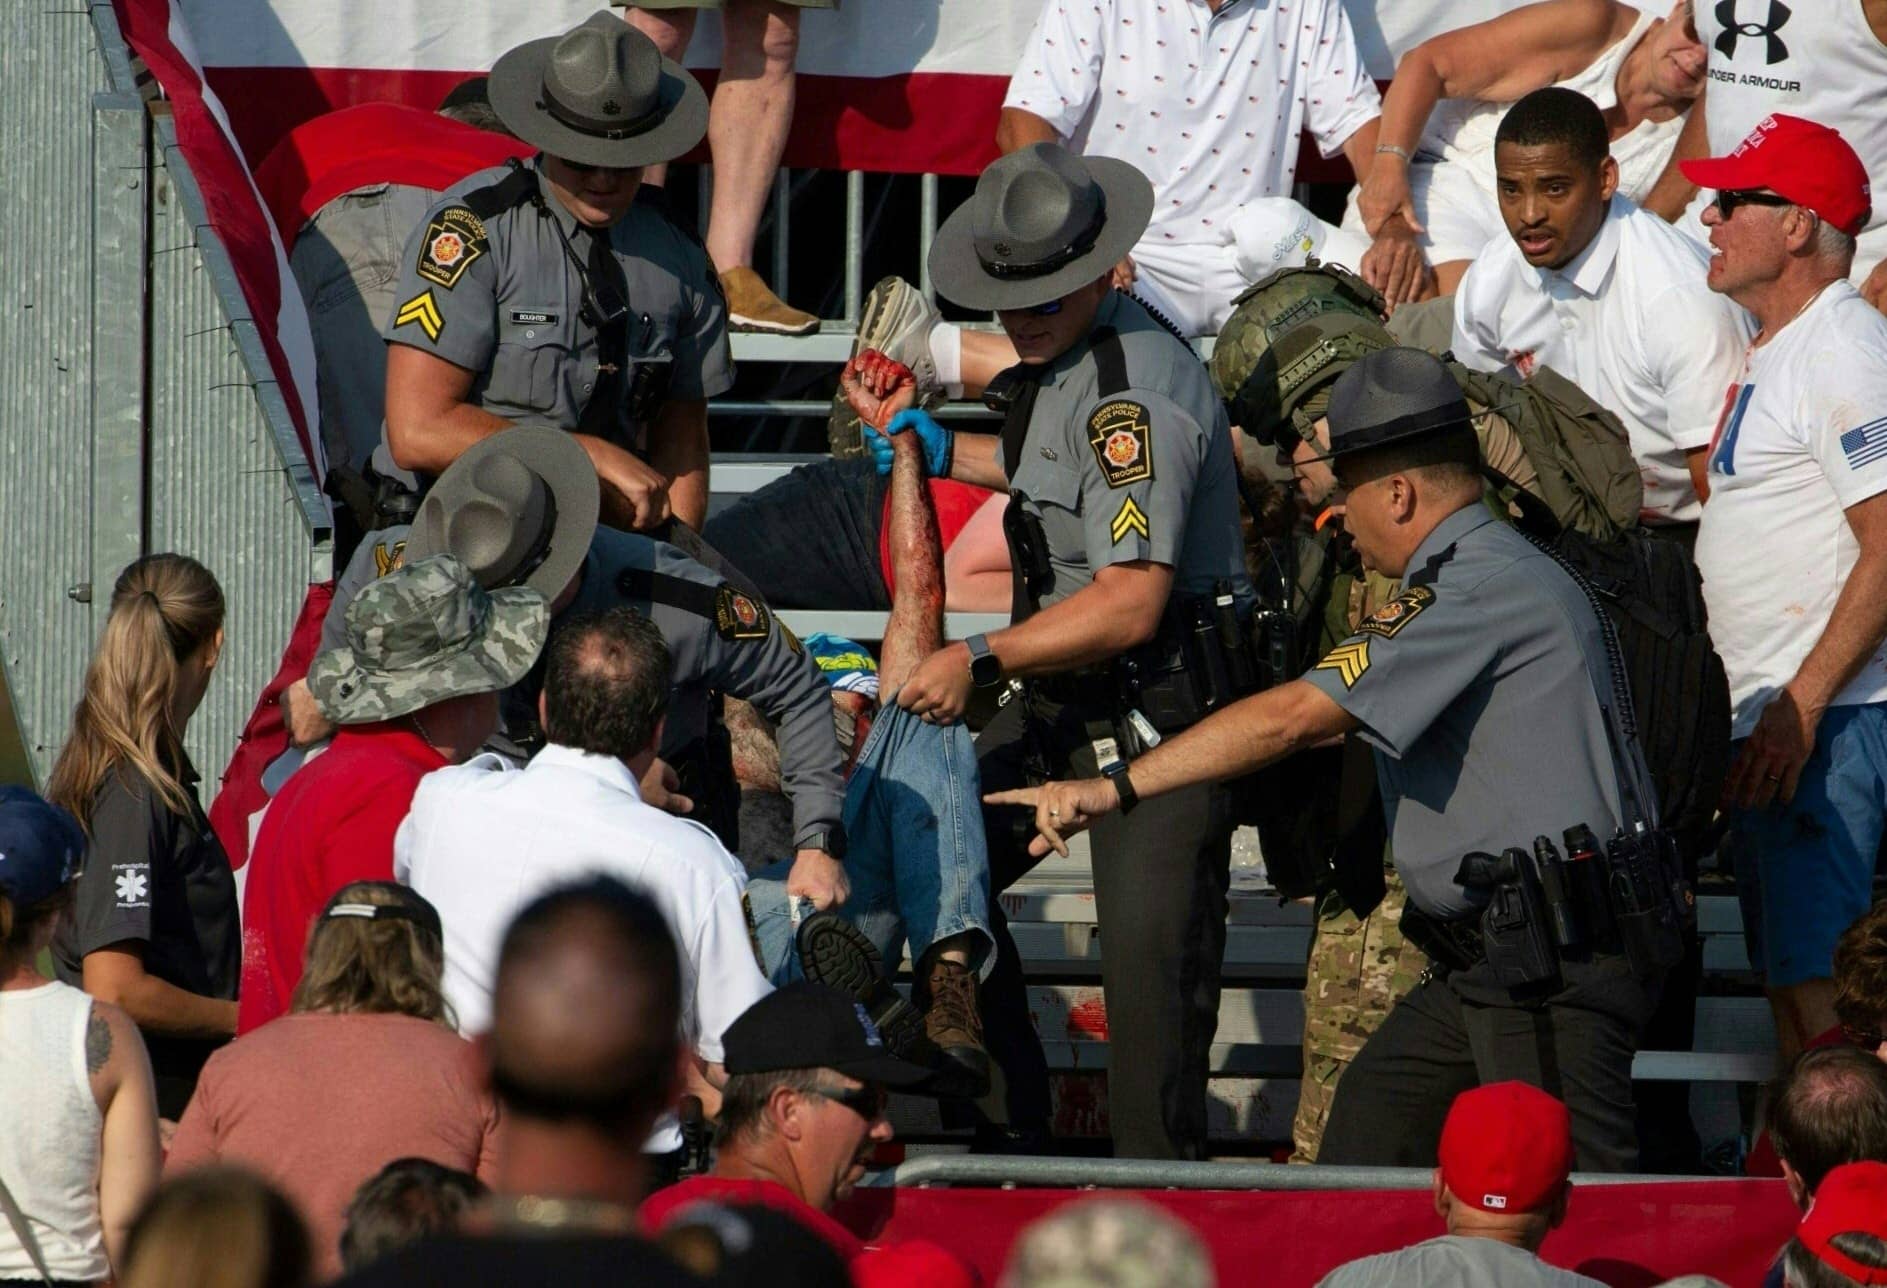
(916, 854)
(1805, 870)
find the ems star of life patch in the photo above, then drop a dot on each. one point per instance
(453, 241)
(1397, 613)
(1121, 434)
(1348, 660)
(423, 310)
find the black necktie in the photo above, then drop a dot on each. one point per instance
(606, 300)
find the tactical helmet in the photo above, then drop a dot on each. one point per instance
(1246, 369)
(1272, 404)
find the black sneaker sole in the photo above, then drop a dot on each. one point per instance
(834, 952)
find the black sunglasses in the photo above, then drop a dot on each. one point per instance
(1728, 199)
(868, 1101)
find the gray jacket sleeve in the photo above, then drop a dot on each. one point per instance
(765, 664)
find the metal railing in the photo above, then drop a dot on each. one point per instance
(1008, 1173)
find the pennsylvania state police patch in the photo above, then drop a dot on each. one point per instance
(738, 616)
(453, 240)
(1121, 433)
(1388, 620)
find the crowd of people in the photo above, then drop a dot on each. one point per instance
(1522, 548)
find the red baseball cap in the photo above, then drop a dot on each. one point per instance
(1810, 164)
(1506, 1147)
(1851, 1199)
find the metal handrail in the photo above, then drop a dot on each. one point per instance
(1008, 1172)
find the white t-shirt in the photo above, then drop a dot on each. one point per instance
(1816, 59)
(1803, 437)
(1630, 321)
(1208, 106)
(483, 840)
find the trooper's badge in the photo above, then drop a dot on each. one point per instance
(453, 240)
(1121, 434)
(738, 616)
(1388, 620)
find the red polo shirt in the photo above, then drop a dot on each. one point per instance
(332, 823)
(665, 1203)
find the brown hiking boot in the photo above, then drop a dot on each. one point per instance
(947, 995)
(752, 306)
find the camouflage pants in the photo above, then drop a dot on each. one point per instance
(1359, 967)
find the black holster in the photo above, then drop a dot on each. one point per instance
(705, 766)
(1453, 945)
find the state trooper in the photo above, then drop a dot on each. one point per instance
(1129, 587)
(554, 290)
(1491, 696)
(519, 508)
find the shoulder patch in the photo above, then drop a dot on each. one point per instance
(1129, 518)
(453, 240)
(423, 310)
(1121, 433)
(1388, 620)
(738, 616)
(386, 558)
(1349, 660)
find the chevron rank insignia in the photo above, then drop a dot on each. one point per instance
(387, 558)
(1388, 620)
(1349, 661)
(1129, 518)
(422, 310)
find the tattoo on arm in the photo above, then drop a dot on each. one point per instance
(97, 1042)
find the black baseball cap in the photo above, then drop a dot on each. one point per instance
(40, 847)
(810, 1026)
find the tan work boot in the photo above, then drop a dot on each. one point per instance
(752, 306)
(947, 995)
(896, 320)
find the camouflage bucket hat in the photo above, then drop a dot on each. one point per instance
(424, 633)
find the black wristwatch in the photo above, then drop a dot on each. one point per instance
(1116, 772)
(985, 666)
(831, 839)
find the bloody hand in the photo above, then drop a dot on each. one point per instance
(877, 387)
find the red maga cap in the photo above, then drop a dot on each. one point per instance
(1851, 1199)
(1506, 1147)
(1810, 164)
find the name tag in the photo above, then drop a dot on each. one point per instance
(526, 317)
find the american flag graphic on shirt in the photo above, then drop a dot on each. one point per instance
(1865, 444)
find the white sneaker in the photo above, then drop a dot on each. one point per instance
(896, 320)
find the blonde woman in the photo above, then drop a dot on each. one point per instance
(367, 1067)
(78, 1125)
(221, 1227)
(154, 926)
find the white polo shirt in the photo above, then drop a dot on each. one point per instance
(1630, 321)
(1208, 106)
(1803, 437)
(483, 839)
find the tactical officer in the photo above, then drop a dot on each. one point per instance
(547, 290)
(520, 508)
(1131, 596)
(1491, 695)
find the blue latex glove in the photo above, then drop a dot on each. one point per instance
(937, 441)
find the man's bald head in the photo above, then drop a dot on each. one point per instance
(586, 1009)
(1830, 1108)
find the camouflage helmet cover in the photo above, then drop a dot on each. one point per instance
(1244, 366)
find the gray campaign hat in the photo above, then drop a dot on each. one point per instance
(1391, 395)
(1041, 223)
(600, 94)
(517, 508)
(424, 633)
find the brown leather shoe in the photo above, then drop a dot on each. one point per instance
(752, 306)
(947, 995)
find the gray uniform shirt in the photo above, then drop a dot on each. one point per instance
(725, 642)
(1455, 1261)
(1140, 473)
(1478, 688)
(485, 283)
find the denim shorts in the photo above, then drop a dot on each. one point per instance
(1805, 870)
